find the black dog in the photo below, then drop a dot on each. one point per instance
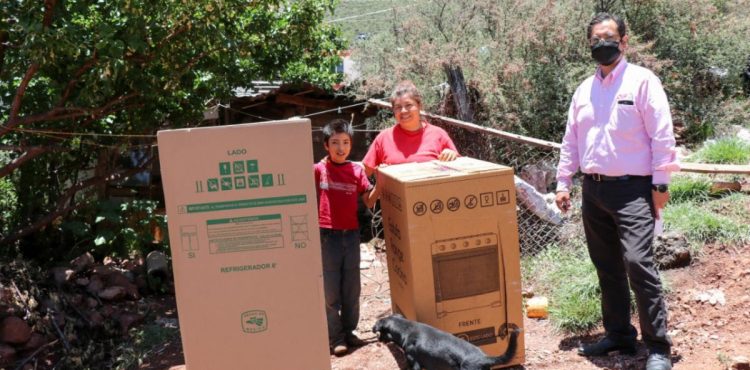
(429, 348)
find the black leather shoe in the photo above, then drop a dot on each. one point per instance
(658, 361)
(605, 346)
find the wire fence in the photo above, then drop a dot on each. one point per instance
(534, 164)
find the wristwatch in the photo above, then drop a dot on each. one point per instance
(662, 188)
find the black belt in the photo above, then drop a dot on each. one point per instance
(599, 177)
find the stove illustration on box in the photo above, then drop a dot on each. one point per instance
(466, 272)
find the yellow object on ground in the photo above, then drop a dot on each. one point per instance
(536, 308)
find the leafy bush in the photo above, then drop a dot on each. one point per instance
(524, 59)
(8, 199)
(727, 150)
(703, 61)
(119, 229)
(521, 60)
(100, 74)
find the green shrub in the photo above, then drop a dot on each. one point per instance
(8, 199)
(701, 62)
(119, 229)
(683, 189)
(523, 60)
(727, 150)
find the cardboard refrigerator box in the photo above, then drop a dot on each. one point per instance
(243, 229)
(452, 246)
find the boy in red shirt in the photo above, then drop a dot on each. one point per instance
(339, 183)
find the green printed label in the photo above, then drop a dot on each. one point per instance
(252, 166)
(224, 168)
(239, 182)
(244, 234)
(213, 184)
(226, 183)
(246, 203)
(254, 181)
(240, 175)
(267, 180)
(254, 321)
(239, 167)
(243, 219)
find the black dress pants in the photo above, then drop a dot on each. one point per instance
(619, 225)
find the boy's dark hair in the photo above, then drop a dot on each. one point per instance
(337, 126)
(601, 17)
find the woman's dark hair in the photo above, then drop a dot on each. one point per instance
(601, 17)
(337, 126)
(406, 87)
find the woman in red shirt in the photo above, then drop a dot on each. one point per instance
(412, 139)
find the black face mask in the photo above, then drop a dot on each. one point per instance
(606, 52)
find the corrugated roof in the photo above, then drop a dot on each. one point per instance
(257, 89)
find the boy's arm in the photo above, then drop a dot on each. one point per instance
(370, 197)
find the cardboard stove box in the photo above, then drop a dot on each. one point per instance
(452, 247)
(243, 229)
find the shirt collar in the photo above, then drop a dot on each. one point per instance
(615, 72)
(412, 133)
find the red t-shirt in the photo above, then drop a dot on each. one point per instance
(395, 145)
(338, 187)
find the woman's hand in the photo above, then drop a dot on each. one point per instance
(448, 155)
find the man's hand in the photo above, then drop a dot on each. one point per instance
(448, 155)
(660, 201)
(563, 201)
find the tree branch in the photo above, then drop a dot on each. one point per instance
(49, 7)
(73, 81)
(33, 152)
(175, 32)
(62, 210)
(143, 58)
(27, 155)
(195, 60)
(191, 63)
(63, 113)
(15, 106)
(39, 224)
(439, 22)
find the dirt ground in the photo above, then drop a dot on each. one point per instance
(709, 306)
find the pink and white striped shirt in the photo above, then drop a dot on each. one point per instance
(619, 125)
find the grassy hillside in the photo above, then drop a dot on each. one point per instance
(368, 17)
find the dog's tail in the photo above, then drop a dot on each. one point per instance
(509, 353)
